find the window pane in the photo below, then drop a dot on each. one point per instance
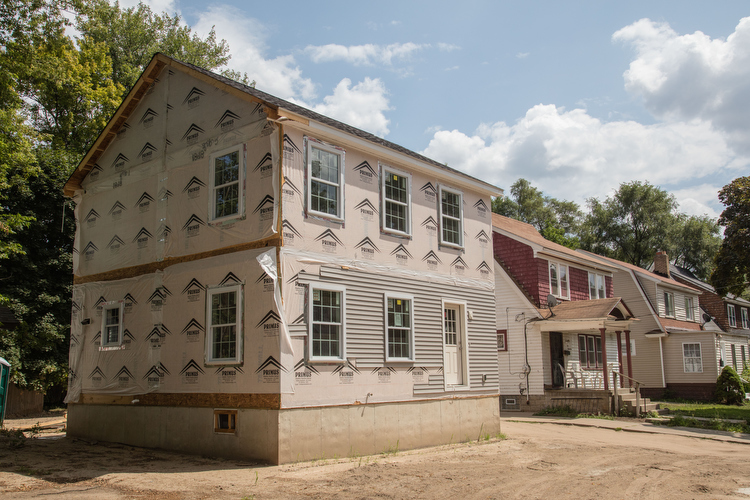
(396, 187)
(582, 350)
(564, 281)
(451, 230)
(553, 287)
(592, 286)
(451, 204)
(395, 216)
(326, 327)
(600, 286)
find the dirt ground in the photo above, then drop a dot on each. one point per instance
(535, 460)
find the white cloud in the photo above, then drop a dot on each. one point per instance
(364, 55)
(279, 76)
(687, 77)
(572, 155)
(522, 55)
(452, 68)
(699, 200)
(362, 105)
(447, 47)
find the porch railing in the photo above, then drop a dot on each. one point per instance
(637, 393)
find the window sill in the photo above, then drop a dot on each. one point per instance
(321, 215)
(222, 362)
(451, 245)
(326, 361)
(393, 232)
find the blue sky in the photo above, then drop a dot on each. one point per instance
(576, 97)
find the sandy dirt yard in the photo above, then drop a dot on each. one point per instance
(535, 460)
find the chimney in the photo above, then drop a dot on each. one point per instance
(661, 264)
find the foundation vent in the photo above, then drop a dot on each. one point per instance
(510, 403)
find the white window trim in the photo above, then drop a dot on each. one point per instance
(664, 298)
(731, 314)
(385, 170)
(743, 314)
(700, 347)
(240, 148)
(112, 304)
(411, 325)
(210, 292)
(596, 284)
(313, 143)
(460, 194)
(549, 277)
(342, 340)
(689, 309)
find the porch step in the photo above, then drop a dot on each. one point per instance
(627, 400)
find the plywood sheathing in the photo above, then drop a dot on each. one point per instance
(194, 400)
(131, 272)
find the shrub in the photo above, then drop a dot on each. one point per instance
(729, 387)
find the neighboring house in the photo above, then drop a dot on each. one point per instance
(555, 355)
(675, 354)
(727, 314)
(253, 279)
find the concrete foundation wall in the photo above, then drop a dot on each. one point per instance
(184, 429)
(289, 435)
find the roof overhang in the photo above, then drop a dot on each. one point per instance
(583, 325)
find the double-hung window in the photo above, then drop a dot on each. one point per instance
(597, 286)
(691, 358)
(732, 317)
(689, 312)
(669, 304)
(590, 351)
(451, 217)
(399, 328)
(327, 313)
(227, 184)
(396, 189)
(112, 323)
(325, 180)
(558, 280)
(224, 318)
(744, 317)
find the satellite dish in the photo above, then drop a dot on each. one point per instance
(706, 317)
(551, 301)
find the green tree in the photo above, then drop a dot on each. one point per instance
(132, 36)
(556, 220)
(733, 260)
(631, 224)
(694, 244)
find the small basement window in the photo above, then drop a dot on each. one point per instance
(225, 421)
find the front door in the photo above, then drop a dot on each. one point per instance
(453, 340)
(556, 355)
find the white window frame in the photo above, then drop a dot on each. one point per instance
(312, 287)
(671, 300)
(699, 357)
(240, 149)
(460, 219)
(118, 305)
(731, 315)
(238, 323)
(339, 215)
(598, 278)
(743, 314)
(689, 311)
(559, 291)
(387, 326)
(385, 172)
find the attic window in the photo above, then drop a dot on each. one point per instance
(732, 317)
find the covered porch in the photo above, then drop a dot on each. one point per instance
(587, 346)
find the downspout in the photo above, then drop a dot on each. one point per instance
(661, 358)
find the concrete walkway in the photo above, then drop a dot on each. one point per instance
(628, 425)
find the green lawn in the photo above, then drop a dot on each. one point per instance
(709, 410)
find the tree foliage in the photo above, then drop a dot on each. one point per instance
(694, 243)
(556, 220)
(632, 224)
(733, 260)
(56, 94)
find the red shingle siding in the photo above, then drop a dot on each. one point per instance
(610, 284)
(519, 259)
(717, 308)
(579, 284)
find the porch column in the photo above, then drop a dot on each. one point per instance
(619, 354)
(630, 361)
(604, 359)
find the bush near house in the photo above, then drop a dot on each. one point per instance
(729, 388)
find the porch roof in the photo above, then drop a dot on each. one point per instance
(580, 315)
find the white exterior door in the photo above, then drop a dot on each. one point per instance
(452, 345)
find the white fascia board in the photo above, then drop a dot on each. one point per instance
(395, 158)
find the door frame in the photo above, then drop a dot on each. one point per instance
(463, 343)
